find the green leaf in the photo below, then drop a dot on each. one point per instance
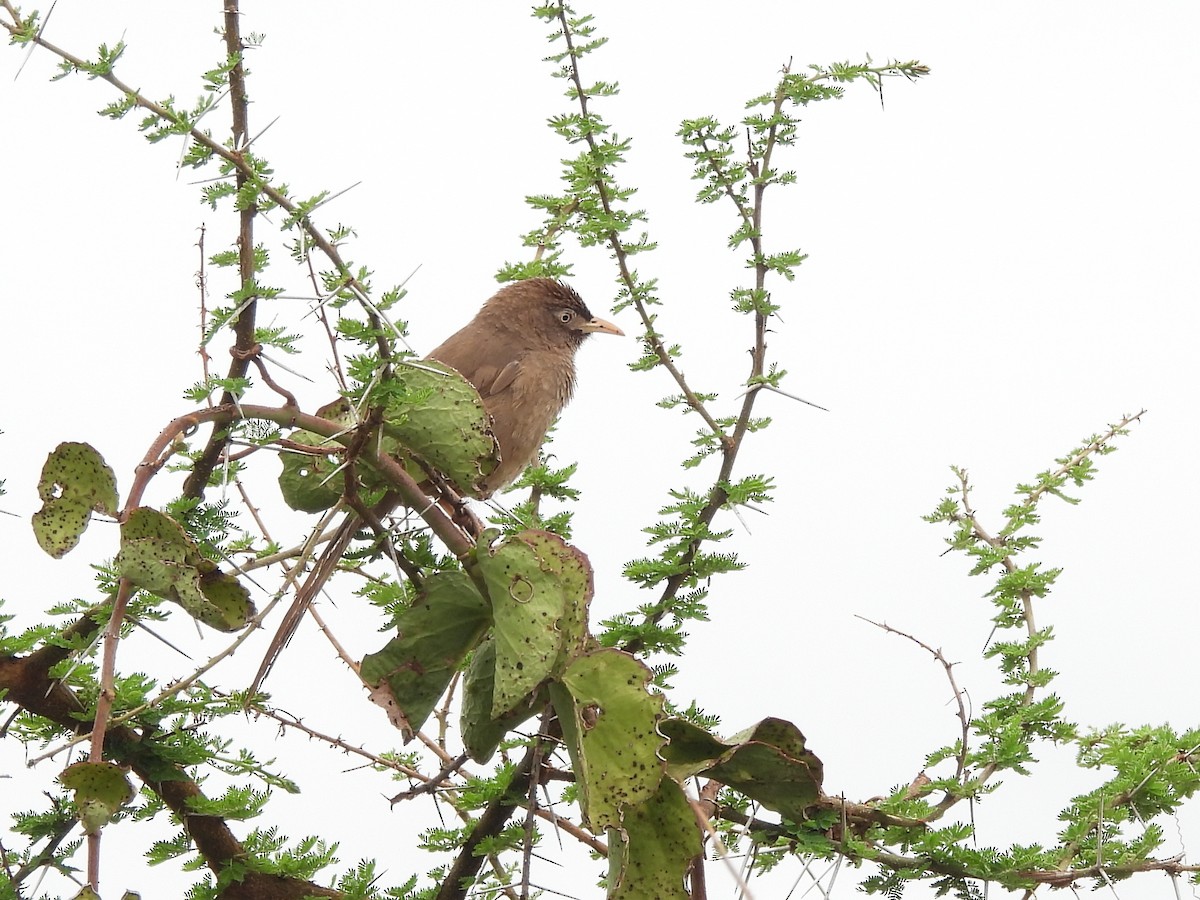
(309, 483)
(157, 556)
(540, 587)
(649, 855)
(767, 762)
(437, 414)
(75, 483)
(101, 789)
(481, 731)
(446, 620)
(609, 722)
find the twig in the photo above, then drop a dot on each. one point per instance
(614, 240)
(433, 782)
(531, 802)
(244, 329)
(108, 693)
(948, 666)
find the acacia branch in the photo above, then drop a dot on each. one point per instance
(245, 173)
(618, 246)
(203, 467)
(963, 718)
(730, 444)
(161, 450)
(967, 517)
(26, 682)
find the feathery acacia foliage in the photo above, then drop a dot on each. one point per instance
(537, 706)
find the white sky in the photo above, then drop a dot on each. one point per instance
(1002, 262)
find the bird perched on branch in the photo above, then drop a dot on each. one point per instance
(519, 354)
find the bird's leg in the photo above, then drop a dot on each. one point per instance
(455, 506)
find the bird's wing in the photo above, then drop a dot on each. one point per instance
(505, 378)
(488, 364)
(491, 380)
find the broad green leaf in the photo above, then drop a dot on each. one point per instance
(609, 722)
(690, 749)
(481, 732)
(444, 623)
(101, 789)
(767, 762)
(75, 483)
(540, 588)
(438, 415)
(649, 856)
(310, 483)
(222, 603)
(157, 556)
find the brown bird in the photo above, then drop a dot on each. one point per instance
(519, 353)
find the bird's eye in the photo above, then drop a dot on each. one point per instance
(565, 316)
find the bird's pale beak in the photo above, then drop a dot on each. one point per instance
(602, 326)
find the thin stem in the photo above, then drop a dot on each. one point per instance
(963, 718)
(618, 248)
(730, 444)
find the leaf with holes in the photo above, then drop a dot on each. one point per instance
(75, 483)
(767, 762)
(309, 481)
(649, 856)
(540, 588)
(481, 732)
(447, 620)
(437, 414)
(609, 721)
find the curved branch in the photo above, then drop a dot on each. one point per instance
(245, 174)
(25, 681)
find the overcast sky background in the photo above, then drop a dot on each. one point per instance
(1002, 262)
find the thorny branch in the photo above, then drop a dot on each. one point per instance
(963, 717)
(244, 327)
(730, 444)
(245, 173)
(967, 516)
(618, 247)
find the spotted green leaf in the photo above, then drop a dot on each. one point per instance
(157, 556)
(101, 789)
(75, 483)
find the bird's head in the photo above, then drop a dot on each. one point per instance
(545, 312)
